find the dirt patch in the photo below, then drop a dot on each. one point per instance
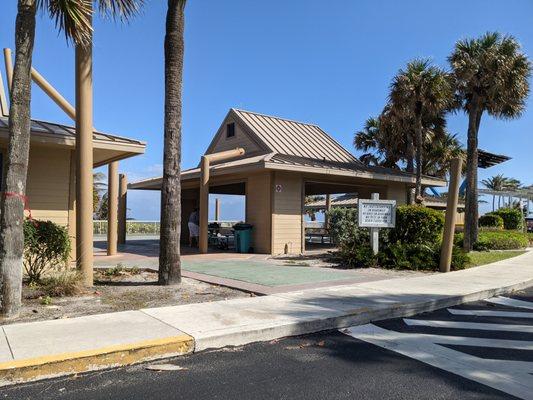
(119, 290)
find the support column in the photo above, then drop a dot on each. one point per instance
(9, 70)
(204, 205)
(112, 208)
(122, 207)
(84, 162)
(451, 211)
(217, 209)
(328, 209)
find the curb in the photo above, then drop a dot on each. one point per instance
(359, 316)
(19, 371)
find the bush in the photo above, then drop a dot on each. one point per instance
(512, 217)
(491, 221)
(65, 283)
(497, 240)
(417, 225)
(46, 246)
(343, 224)
(358, 256)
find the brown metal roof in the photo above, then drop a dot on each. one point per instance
(284, 136)
(69, 132)
(486, 159)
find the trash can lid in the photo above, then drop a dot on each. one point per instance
(242, 227)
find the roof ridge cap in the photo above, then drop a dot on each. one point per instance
(276, 117)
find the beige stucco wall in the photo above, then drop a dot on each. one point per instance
(287, 213)
(241, 139)
(398, 192)
(258, 210)
(48, 184)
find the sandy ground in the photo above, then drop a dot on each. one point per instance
(120, 292)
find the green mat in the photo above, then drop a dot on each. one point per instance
(265, 274)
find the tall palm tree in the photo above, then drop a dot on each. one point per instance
(491, 75)
(439, 150)
(74, 19)
(381, 146)
(169, 251)
(423, 92)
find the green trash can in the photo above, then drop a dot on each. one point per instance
(243, 237)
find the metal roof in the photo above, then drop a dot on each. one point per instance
(486, 159)
(69, 132)
(284, 136)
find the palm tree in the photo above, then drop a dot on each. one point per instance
(422, 92)
(74, 19)
(491, 75)
(169, 251)
(439, 150)
(99, 186)
(381, 146)
(495, 183)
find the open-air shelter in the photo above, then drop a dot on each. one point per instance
(283, 162)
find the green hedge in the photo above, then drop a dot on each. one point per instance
(413, 244)
(417, 225)
(491, 221)
(512, 217)
(497, 240)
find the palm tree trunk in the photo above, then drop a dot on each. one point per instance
(471, 207)
(419, 149)
(169, 253)
(493, 202)
(411, 165)
(14, 190)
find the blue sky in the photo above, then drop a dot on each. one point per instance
(329, 63)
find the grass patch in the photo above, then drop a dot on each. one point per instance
(65, 283)
(478, 258)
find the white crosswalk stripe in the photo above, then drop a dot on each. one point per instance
(506, 301)
(491, 313)
(470, 325)
(510, 376)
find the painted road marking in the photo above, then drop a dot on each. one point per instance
(490, 313)
(470, 325)
(512, 377)
(506, 301)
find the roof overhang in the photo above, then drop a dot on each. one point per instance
(106, 147)
(263, 162)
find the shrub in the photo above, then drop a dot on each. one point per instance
(491, 221)
(65, 283)
(343, 224)
(497, 240)
(46, 246)
(420, 257)
(417, 225)
(358, 256)
(512, 217)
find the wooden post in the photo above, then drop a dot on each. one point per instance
(204, 191)
(122, 207)
(217, 209)
(53, 93)
(9, 69)
(112, 208)
(204, 205)
(328, 209)
(84, 162)
(374, 232)
(4, 110)
(451, 211)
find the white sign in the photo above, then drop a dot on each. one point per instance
(377, 213)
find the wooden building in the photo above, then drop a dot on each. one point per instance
(283, 162)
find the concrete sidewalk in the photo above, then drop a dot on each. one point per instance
(50, 348)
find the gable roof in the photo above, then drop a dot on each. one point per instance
(288, 137)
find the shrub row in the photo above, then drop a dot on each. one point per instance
(497, 240)
(511, 219)
(413, 244)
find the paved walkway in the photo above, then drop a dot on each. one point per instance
(255, 273)
(240, 321)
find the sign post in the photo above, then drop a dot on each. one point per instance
(375, 214)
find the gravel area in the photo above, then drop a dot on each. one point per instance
(119, 292)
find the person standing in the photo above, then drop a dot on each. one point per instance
(194, 227)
